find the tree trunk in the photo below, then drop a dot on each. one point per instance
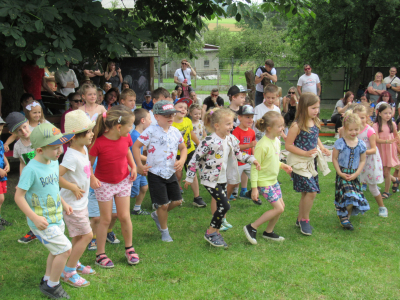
(250, 84)
(11, 79)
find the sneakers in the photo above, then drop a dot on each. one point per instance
(222, 240)
(226, 224)
(233, 198)
(4, 222)
(56, 292)
(248, 195)
(383, 212)
(199, 202)
(243, 194)
(29, 237)
(250, 233)
(154, 206)
(112, 239)
(215, 239)
(92, 245)
(139, 212)
(273, 236)
(223, 228)
(305, 227)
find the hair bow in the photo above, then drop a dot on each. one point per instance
(30, 106)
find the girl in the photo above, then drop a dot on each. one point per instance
(266, 181)
(302, 140)
(111, 179)
(213, 156)
(372, 173)
(198, 125)
(386, 140)
(113, 75)
(100, 96)
(385, 97)
(349, 154)
(174, 95)
(88, 93)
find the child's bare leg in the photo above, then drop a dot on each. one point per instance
(93, 223)
(142, 194)
(124, 217)
(114, 218)
(243, 180)
(388, 179)
(1, 201)
(57, 265)
(349, 210)
(307, 204)
(271, 215)
(179, 176)
(303, 194)
(162, 212)
(102, 227)
(195, 186)
(79, 244)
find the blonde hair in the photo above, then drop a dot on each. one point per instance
(294, 89)
(193, 107)
(215, 115)
(174, 93)
(306, 100)
(268, 120)
(270, 88)
(82, 90)
(127, 93)
(116, 115)
(377, 74)
(359, 108)
(351, 118)
(279, 91)
(28, 112)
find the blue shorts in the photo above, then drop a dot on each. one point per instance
(93, 206)
(137, 184)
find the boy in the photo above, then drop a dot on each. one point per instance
(38, 196)
(4, 169)
(158, 95)
(247, 138)
(237, 97)
(128, 98)
(18, 125)
(147, 103)
(162, 142)
(185, 127)
(270, 95)
(140, 186)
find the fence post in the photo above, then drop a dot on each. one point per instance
(218, 78)
(159, 70)
(232, 62)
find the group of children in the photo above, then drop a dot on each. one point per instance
(104, 166)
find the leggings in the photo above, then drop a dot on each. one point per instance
(220, 195)
(373, 188)
(337, 119)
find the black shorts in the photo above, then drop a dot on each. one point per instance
(188, 159)
(163, 191)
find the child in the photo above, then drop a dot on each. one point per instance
(147, 103)
(162, 141)
(266, 180)
(4, 169)
(185, 127)
(237, 96)
(302, 142)
(88, 93)
(270, 96)
(140, 186)
(128, 98)
(248, 101)
(74, 183)
(372, 172)
(174, 95)
(198, 125)
(348, 158)
(212, 157)
(386, 142)
(385, 97)
(247, 139)
(38, 197)
(111, 178)
(100, 96)
(158, 95)
(18, 125)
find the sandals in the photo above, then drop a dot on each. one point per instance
(131, 256)
(74, 279)
(81, 269)
(345, 223)
(385, 195)
(104, 262)
(394, 188)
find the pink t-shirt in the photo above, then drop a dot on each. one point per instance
(112, 163)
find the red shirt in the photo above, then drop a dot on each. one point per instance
(245, 137)
(32, 77)
(112, 163)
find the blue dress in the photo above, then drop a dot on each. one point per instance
(306, 141)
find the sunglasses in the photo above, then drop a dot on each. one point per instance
(306, 69)
(76, 101)
(292, 93)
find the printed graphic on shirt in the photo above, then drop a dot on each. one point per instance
(26, 157)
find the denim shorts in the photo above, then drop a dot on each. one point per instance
(93, 206)
(137, 184)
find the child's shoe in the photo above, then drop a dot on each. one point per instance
(139, 212)
(199, 202)
(226, 224)
(55, 292)
(214, 239)
(181, 189)
(73, 279)
(383, 212)
(92, 245)
(243, 194)
(4, 222)
(251, 234)
(273, 236)
(112, 239)
(29, 237)
(131, 256)
(86, 270)
(223, 228)
(232, 198)
(104, 262)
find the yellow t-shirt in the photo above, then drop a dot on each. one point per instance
(185, 127)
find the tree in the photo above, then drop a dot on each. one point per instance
(347, 33)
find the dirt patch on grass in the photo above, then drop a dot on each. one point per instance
(232, 27)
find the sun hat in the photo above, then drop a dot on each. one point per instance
(164, 107)
(236, 89)
(46, 134)
(77, 121)
(186, 100)
(14, 120)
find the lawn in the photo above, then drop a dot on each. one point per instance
(330, 264)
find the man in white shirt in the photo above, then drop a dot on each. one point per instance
(392, 83)
(309, 82)
(268, 72)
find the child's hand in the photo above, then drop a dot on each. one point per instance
(179, 165)
(258, 166)
(94, 182)
(253, 144)
(311, 152)
(326, 151)
(187, 183)
(142, 170)
(343, 175)
(351, 177)
(254, 194)
(68, 209)
(3, 173)
(286, 168)
(78, 192)
(7, 168)
(40, 223)
(133, 175)
(6, 149)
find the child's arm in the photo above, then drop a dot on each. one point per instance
(194, 138)
(372, 142)
(21, 166)
(204, 133)
(78, 192)
(179, 163)
(247, 146)
(289, 145)
(361, 165)
(335, 156)
(140, 168)
(6, 165)
(323, 149)
(39, 221)
(94, 182)
(9, 141)
(66, 207)
(132, 164)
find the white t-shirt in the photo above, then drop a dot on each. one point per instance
(393, 81)
(309, 83)
(260, 111)
(259, 86)
(222, 174)
(78, 166)
(153, 119)
(178, 73)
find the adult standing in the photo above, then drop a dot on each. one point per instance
(264, 75)
(183, 77)
(66, 81)
(340, 108)
(309, 82)
(289, 107)
(113, 75)
(392, 83)
(376, 88)
(94, 72)
(214, 100)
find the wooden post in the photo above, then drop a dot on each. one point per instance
(250, 84)
(151, 73)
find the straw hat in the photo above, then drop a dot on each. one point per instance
(77, 121)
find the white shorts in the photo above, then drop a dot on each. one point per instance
(54, 239)
(246, 168)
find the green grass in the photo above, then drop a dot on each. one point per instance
(330, 264)
(221, 21)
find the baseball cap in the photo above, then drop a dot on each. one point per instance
(236, 89)
(14, 120)
(188, 101)
(164, 107)
(77, 121)
(47, 134)
(246, 110)
(147, 94)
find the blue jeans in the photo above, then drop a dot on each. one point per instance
(259, 98)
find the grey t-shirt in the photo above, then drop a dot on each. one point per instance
(26, 153)
(374, 98)
(338, 104)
